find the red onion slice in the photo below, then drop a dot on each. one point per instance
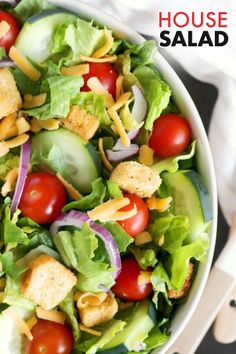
(140, 106)
(22, 174)
(6, 62)
(132, 134)
(77, 219)
(117, 156)
(12, 3)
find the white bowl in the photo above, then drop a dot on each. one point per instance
(205, 163)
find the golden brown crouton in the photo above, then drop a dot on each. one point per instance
(10, 99)
(136, 178)
(47, 281)
(92, 315)
(81, 122)
(180, 294)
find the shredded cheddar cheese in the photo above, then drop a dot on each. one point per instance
(159, 204)
(35, 126)
(24, 64)
(1, 296)
(49, 124)
(90, 299)
(6, 124)
(3, 150)
(73, 193)
(119, 127)
(95, 85)
(105, 161)
(21, 324)
(146, 155)
(34, 101)
(121, 101)
(142, 238)
(17, 141)
(161, 240)
(31, 322)
(122, 215)
(90, 330)
(10, 182)
(13, 131)
(22, 125)
(119, 86)
(108, 208)
(50, 315)
(144, 278)
(4, 28)
(101, 52)
(110, 58)
(79, 70)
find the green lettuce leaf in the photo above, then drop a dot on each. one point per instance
(177, 264)
(156, 91)
(146, 257)
(123, 66)
(7, 163)
(171, 164)
(81, 38)
(11, 233)
(160, 282)
(123, 240)
(128, 120)
(28, 8)
(13, 296)
(10, 267)
(107, 336)
(37, 236)
(114, 190)
(174, 228)
(91, 200)
(155, 338)
(60, 100)
(141, 54)
(68, 307)
(93, 104)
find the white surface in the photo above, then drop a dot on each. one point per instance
(188, 109)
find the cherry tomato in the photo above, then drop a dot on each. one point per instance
(170, 136)
(126, 286)
(105, 73)
(49, 338)
(9, 38)
(137, 223)
(42, 198)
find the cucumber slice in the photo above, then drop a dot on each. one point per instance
(191, 198)
(35, 38)
(135, 332)
(67, 153)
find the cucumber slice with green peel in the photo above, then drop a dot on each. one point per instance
(35, 38)
(135, 332)
(191, 198)
(68, 154)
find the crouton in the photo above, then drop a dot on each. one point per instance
(136, 178)
(10, 99)
(81, 122)
(180, 294)
(92, 315)
(47, 282)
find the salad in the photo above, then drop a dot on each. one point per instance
(103, 214)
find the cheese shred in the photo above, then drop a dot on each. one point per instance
(23, 64)
(105, 161)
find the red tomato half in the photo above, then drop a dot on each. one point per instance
(105, 73)
(137, 223)
(170, 136)
(126, 286)
(9, 38)
(42, 198)
(49, 338)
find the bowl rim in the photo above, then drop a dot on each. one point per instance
(184, 99)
